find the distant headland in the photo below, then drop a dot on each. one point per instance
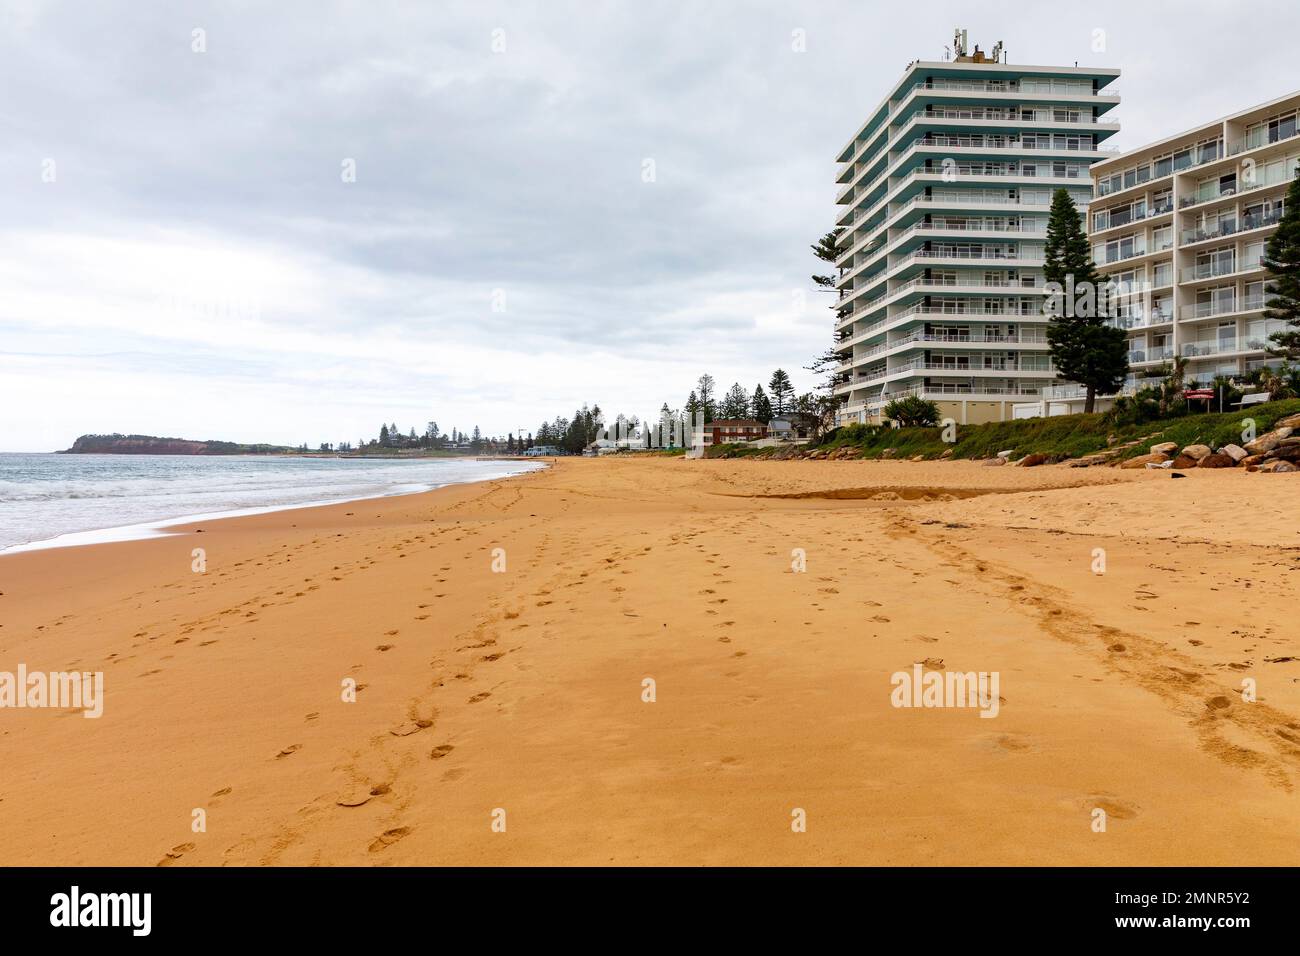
(151, 445)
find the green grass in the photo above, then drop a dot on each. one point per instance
(1065, 436)
(736, 450)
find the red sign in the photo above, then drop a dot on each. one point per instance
(1198, 393)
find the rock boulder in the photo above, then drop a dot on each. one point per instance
(1141, 461)
(1216, 461)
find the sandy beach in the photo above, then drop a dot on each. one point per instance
(522, 689)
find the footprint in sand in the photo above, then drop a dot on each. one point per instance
(1115, 808)
(292, 748)
(362, 795)
(222, 792)
(1218, 703)
(482, 695)
(175, 853)
(384, 647)
(411, 727)
(440, 751)
(388, 838)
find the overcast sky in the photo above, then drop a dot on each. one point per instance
(180, 254)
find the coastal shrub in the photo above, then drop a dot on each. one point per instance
(1059, 437)
(912, 411)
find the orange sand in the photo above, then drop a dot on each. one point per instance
(522, 690)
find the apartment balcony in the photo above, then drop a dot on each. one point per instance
(1261, 138)
(993, 144)
(950, 390)
(1104, 188)
(1121, 256)
(970, 257)
(1130, 322)
(932, 257)
(1031, 341)
(1017, 89)
(974, 229)
(1056, 118)
(946, 314)
(873, 239)
(1223, 346)
(1212, 193)
(1228, 227)
(1147, 356)
(1109, 223)
(922, 284)
(1216, 270)
(1069, 121)
(996, 171)
(1227, 306)
(1057, 393)
(853, 152)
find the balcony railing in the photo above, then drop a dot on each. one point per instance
(990, 254)
(1103, 221)
(1209, 154)
(1230, 227)
(1208, 192)
(1046, 86)
(1014, 116)
(1262, 137)
(1226, 306)
(1158, 353)
(1142, 321)
(1249, 343)
(957, 388)
(1209, 270)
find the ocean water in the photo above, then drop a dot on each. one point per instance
(64, 500)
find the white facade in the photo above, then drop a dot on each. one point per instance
(946, 190)
(1184, 220)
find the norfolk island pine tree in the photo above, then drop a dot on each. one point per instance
(1084, 348)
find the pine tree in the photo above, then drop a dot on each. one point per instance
(762, 406)
(1282, 262)
(782, 392)
(706, 404)
(693, 407)
(383, 435)
(828, 249)
(735, 404)
(1084, 348)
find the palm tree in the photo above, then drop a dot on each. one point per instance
(1274, 383)
(1171, 389)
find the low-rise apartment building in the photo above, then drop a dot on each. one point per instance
(1183, 222)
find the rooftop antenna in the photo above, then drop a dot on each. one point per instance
(959, 42)
(997, 52)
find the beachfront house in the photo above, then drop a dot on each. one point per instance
(729, 430)
(792, 426)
